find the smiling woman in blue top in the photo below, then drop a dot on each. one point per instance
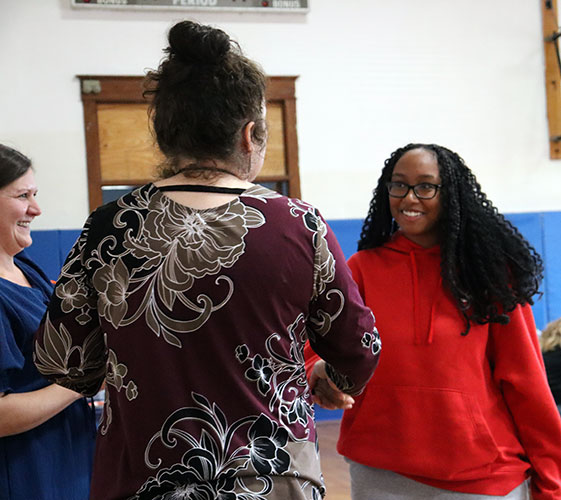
(46, 431)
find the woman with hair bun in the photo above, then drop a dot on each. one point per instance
(459, 408)
(193, 297)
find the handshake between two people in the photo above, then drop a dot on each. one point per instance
(325, 392)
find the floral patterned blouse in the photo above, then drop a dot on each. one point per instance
(196, 320)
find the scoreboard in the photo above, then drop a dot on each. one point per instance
(294, 6)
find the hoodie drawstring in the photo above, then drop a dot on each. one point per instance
(415, 277)
(416, 305)
(432, 313)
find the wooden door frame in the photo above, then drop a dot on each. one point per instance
(550, 27)
(108, 89)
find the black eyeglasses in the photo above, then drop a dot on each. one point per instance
(423, 191)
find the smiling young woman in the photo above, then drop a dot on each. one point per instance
(414, 199)
(452, 411)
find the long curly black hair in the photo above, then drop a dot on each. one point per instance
(486, 263)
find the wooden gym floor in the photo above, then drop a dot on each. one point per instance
(335, 469)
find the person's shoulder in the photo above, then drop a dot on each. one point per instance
(23, 258)
(267, 200)
(369, 260)
(136, 198)
(102, 212)
(25, 261)
(270, 197)
(367, 254)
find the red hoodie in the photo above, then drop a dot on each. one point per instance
(473, 413)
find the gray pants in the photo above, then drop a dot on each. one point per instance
(368, 483)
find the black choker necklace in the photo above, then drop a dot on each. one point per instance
(200, 188)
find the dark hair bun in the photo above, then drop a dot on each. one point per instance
(194, 43)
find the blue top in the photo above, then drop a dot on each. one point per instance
(52, 461)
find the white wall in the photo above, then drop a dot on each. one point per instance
(374, 75)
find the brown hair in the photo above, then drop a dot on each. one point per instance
(550, 339)
(204, 93)
(13, 165)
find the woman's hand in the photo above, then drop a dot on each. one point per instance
(325, 392)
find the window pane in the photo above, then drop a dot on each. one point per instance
(112, 193)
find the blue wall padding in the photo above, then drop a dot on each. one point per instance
(45, 251)
(50, 248)
(531, 225)
(66, 242)
(552, 257)
(323, 414)
(348, 234)
(542, 230)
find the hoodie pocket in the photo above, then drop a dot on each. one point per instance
(426, 432)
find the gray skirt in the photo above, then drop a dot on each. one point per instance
(368, 483)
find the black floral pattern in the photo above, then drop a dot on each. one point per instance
(184, 483)
(324, 262)
(300, 411)
(55, 359)
(112, 282)
(153, 293)
(145, 258)
(115, 377)
(261, 373)
(73, 296)
(317, 494)
(267, 441)
(242, 353)
(320, 321)
(282, 377)
(372, 341)
(211, 463)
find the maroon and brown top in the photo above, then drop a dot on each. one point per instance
(196, 320)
